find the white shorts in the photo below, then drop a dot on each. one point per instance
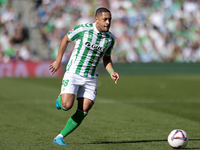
(78, 85)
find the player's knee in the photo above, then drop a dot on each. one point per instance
(67, 106)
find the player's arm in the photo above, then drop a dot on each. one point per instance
(109, 67)
(56, 64)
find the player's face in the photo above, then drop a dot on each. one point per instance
(103, 22)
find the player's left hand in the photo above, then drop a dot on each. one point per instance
(114, 76)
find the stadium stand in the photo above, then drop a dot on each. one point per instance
(145, 30)
(14, 36)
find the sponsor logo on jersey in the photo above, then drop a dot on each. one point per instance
(94, 46)
(70, 31)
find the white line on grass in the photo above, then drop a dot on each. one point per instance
(146, 101)
(106, 101)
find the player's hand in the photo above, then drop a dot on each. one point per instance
(114, 76)
(54, 66)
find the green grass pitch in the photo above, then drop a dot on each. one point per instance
(138, 113)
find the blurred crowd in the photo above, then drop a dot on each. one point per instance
(145, 30)
(14, 37)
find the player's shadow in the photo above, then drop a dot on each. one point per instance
(139, 141)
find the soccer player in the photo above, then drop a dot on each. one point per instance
(93, 41)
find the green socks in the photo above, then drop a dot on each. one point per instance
(73, 122)
(60, 104)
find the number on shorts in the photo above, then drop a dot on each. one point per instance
(65, 82)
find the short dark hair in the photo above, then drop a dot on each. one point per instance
(100, 10)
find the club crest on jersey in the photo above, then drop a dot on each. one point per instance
(107, 40)
(94, 46)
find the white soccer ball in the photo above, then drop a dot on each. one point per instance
(178, 139)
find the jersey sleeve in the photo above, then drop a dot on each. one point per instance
(108, 52)
(75, 33)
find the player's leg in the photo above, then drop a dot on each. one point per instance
(84, 105)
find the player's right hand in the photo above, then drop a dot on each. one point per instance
(54, 66)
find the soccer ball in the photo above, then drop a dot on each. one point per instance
(178, 139)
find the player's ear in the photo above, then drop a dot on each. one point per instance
(96, 19)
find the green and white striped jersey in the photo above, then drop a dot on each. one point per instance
(90, 46)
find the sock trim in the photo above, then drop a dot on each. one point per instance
(82, 112)
(60, 135)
